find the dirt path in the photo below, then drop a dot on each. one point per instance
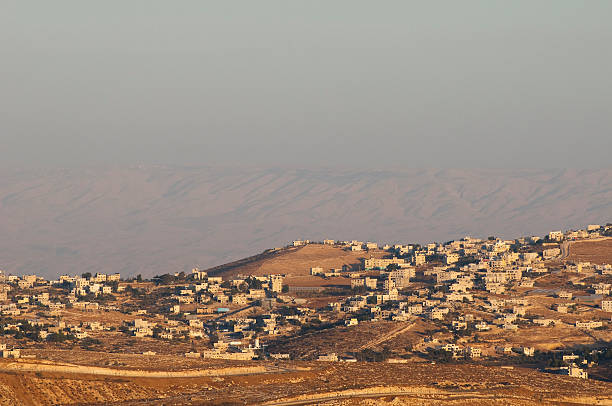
(564, 249)
(319, 399)
(427, 395)
(386, 337)
(423, 395)
(135, 373)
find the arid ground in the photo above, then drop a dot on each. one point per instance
(304, 383)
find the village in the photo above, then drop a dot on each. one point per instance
(499, 302)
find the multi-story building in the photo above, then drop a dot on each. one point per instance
(276, 283)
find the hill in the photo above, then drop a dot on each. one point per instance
(595, 252)
(153, 220)
(295, 261)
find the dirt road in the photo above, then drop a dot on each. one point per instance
(136, 373)
(386, 337)
(416, 394)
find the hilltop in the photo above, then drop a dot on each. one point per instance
(295, 261)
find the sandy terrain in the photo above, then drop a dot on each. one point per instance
(595, 252)
(352, 339)
(320, 383)
(296, 262)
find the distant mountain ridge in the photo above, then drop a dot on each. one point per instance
(154, 219)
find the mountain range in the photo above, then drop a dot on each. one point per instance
(151, 220)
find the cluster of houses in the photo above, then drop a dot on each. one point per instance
(466, 286)
(502, 273)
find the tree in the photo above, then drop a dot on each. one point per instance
(86, 275)
(253, 283)
(165, 279)
(359, 289)
(213, 337)
(392, 267)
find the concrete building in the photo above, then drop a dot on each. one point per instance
(276, 283)
(606, 305)
(329, 357)
(551, 253)
(576, 372)
(381, 263)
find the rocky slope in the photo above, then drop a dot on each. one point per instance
(318, 383)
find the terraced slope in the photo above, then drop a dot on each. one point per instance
(312, 383)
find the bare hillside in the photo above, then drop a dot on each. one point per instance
(153, 220)
(596, 252)
(296, 261)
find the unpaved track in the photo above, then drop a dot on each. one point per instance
(386, 337)
(564, 249)
(134, 373)
(409, 394)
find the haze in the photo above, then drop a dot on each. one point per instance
(350, 83)
(151, 136)
(154, 220)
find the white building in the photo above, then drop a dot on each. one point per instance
(576, 372)
(330, 357)
(276, 283)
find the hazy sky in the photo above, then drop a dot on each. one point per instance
(360, 83)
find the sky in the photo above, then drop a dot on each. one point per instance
(309, 83)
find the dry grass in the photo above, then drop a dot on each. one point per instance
(161, 361)
(298, 261)
(317, 281)
(343, 340)
(596, 252)
(424, 383)
(541, 338)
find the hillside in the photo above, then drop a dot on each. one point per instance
(153, 220)
(295, 262)
(595, 252)
(303, 383)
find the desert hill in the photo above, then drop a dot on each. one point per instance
(153, 220)
(295, 261)
(596, 252)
